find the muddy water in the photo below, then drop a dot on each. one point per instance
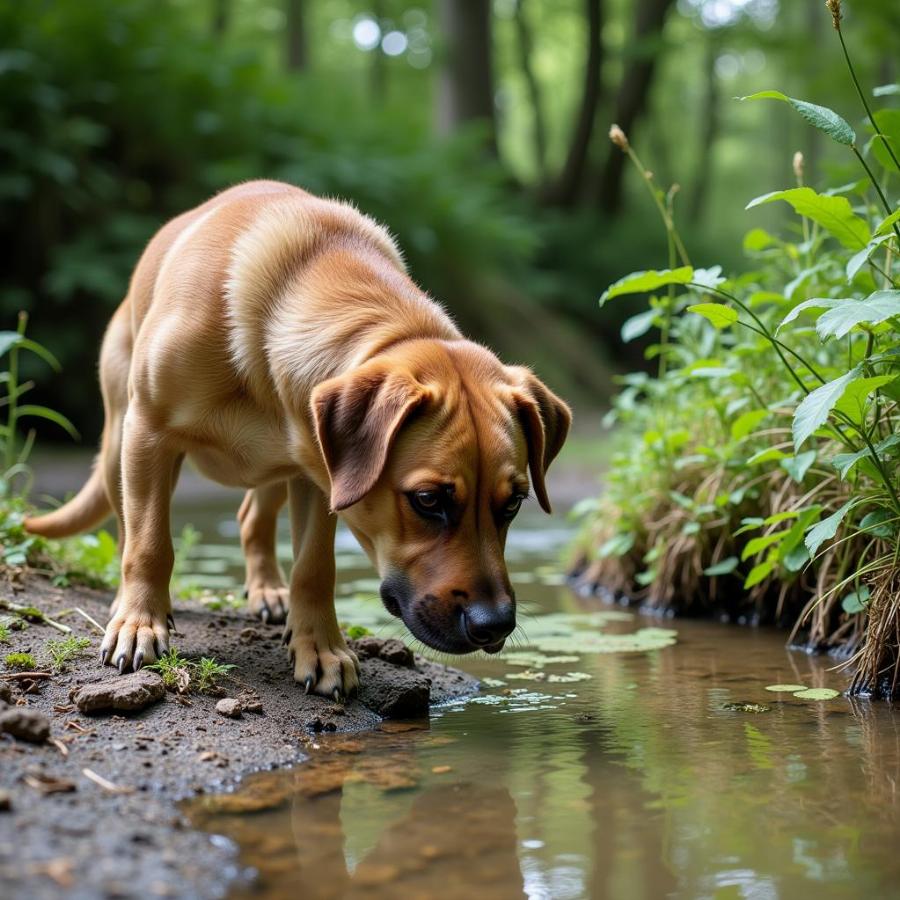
(642, 780)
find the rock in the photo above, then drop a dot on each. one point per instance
(392, 691)
(25, 724)
(5, 692)
(5, 801)
(229, 707)
(389, 649)
(128, 693)
(249, 636)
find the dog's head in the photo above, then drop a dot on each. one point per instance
(431, 449)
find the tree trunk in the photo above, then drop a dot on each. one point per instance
(569, 185)
(297, 48)
(708, 130)
(634, 94)
(539, 129)
(221, 15)
(466, 87)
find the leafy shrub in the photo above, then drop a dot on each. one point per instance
(758, 471)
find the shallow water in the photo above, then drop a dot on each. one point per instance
(638, 781)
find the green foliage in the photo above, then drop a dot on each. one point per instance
(765, 452)
(185, 675)
(4, 632)
(23, 661)
(62, 652)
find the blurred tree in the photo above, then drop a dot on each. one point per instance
(221, 14)
(634, 92)
(297, 49)
(466, 86)
(539, 127)
(570, 184)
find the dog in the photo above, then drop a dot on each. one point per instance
(276, 340)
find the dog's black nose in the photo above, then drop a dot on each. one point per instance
(489, 622)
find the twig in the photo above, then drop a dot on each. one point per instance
(40, 616)
(25, 676)
(107, 785)
(81, 612)
(60, 746)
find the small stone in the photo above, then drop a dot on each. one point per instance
(441, 770)
(125, 692)
(25, 724)
(229, 707)
(394, 692)
(388, 649)
(5, 801)
(249, 636)
(5, 692)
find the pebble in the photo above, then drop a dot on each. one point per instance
(124, 692)
(5, 801)
(5, 693)
(25, 724)
(229, 707)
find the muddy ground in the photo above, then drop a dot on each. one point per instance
(118, 832)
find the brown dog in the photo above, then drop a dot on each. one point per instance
(276, 339)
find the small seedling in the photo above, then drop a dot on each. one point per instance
(357, 631)
(175, 671)
(64, 651)
(4, 632)
(24, 661)
(207, 673)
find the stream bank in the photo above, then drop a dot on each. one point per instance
(92, 812)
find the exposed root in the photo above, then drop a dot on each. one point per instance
(878, 661)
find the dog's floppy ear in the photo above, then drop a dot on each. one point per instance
(545, 420)
(357, 417)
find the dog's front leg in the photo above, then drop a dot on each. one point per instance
(321, 659)
(138, 632)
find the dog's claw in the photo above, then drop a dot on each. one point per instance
(120, 664)
(170, 621)
(265, 613)
(338, 697)
(286, 637)
(138, 660)
(307, 685)
(104, 656)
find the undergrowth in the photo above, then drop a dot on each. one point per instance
(756, 472)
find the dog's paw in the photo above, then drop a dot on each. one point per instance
(134, 639)
(268, 601)
(322, 661)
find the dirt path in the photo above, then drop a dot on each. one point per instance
(117, 832)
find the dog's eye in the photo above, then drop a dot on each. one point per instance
(512, 506)
(429, 503)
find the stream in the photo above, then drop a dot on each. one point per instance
(608, 755)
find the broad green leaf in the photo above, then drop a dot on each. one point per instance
(718, 314)
(887, 226)
(856, 600)
(759, 572)
(858, 260)
(767, 455)
(814, 408)
(785, 688)
(846, 314)
(51, 415)
(787, 549)
(638, 325)
(758, 239)
(814, 303)
(834, 214)
(724, 567)
(617, 545)
(821, 117)
(853, 402)
(758, 544)
(781, 517)
(888, 122)
(797, 466)
(709, 278)
(879, 523)
(746, 423)
(644, 282)
(818, 694)
(827, 528)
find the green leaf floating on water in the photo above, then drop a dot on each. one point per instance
(580, 633)
(785, 688)
(818, 694)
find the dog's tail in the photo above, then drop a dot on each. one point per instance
(87, 509)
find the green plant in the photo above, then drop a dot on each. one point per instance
(185, 675)
(62, 652)
(14, 458)
(758, 471)
(356, 631)
(24, 661)
(207, 673)
(175, 671)
(4, 631)
(182, 586)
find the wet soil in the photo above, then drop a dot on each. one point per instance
(92, 812)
